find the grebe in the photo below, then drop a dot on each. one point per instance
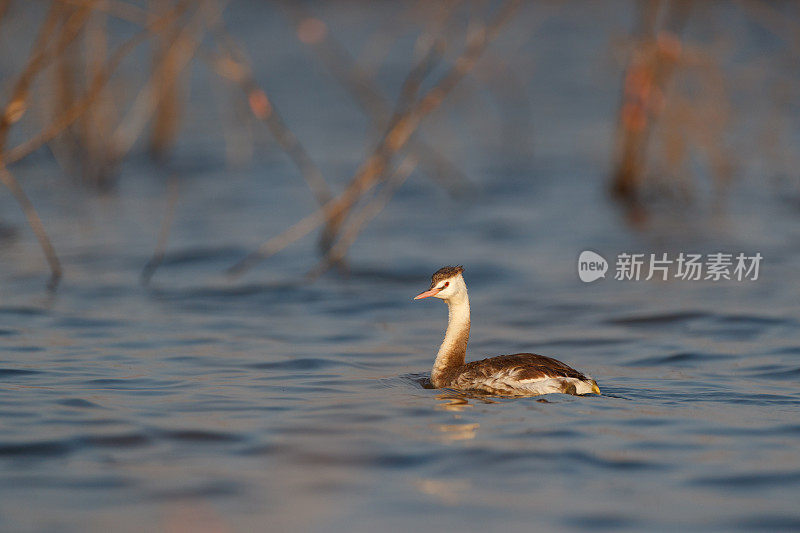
(520, 374)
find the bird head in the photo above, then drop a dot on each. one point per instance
(446, 284)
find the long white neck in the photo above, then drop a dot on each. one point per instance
(454, 347)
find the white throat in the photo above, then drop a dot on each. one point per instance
(453, 350)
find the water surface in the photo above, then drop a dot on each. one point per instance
(275, 403)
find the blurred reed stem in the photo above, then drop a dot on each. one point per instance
(399, 132)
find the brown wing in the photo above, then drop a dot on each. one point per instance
(519, 366)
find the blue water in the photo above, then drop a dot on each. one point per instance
(271, 402)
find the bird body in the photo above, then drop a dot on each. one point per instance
(521, 374)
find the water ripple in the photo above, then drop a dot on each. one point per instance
(750, 481)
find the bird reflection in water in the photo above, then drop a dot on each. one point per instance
(453, 432)
(459, 400)
(447, 491)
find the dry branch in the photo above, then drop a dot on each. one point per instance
(40, 57)
(167, 76)
(395, 139)
(97, 122)
(360, 219)
(42, 54)
(366, 94)
(163, 232)
(649, 71)
(171, 63)
(403, 127)
(234, 65)
(35, 223)
(116, 8)
(68, 116)
(405, 103)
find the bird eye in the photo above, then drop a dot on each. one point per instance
(446, 283)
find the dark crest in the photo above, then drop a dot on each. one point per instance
(445, 273)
